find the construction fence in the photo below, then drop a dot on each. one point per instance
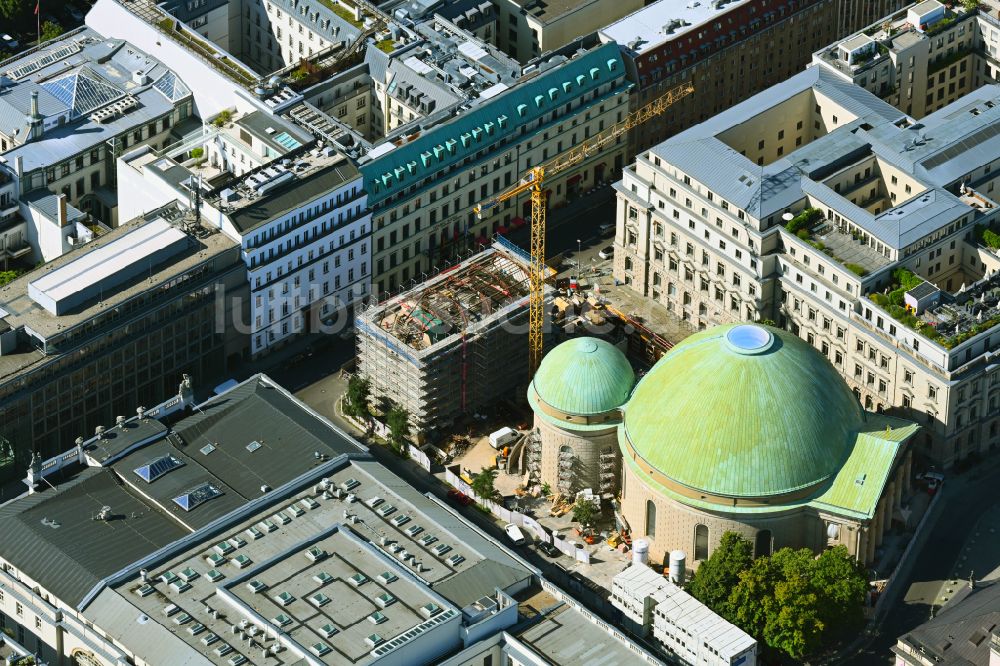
(566, 547)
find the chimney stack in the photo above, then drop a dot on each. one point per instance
(62, 210)
(34, 118)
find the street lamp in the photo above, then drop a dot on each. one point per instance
(578, 244)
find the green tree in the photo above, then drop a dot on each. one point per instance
(795, 602)
(484, 483)
(842, 583)
(6, 277)
(751, 601)
(398, 420)
(50, 30)
(358, 391)
(793, 623)
(717, 576)
(584, 512)
(12, 9)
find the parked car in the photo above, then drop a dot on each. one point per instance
(514, 534)
(607, 252)
(74, 13)
(458, 497)
(548, 549)
(606, 227)
(934, 481)
(9, 43)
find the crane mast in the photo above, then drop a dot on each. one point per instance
(532, 182)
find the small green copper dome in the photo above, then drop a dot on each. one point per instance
(584, 376)
(743, 411)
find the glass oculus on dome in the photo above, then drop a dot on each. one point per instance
(749, 339)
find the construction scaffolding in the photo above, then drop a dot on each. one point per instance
(453, 345)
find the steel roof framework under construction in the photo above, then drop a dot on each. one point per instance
(454, 343)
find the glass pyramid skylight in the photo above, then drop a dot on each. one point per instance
(82, 91)
(171, 87)
(197, 496)
(157, 467)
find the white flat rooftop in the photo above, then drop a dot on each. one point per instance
(106, 267)
(647, 28)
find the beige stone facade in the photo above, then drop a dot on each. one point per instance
(682, 244)
(920, 71)
(669, 524)
(572, 459)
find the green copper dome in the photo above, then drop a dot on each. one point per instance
(584, 376)
(742, 411)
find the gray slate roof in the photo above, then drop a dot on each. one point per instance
(960, 633)
(47, 204)
(479, 580)
(765, 190)
(938, 151)
(69, 560)
(104, 64)
(295, 193)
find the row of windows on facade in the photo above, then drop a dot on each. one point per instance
(300, 240)
(297, 323)
(267, 278)
(734, 302)
(306, 214)
(96, 156)
(293, 301)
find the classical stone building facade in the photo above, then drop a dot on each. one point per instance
(822, 208)
(746, 428)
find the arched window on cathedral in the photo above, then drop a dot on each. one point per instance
(762, 544)
(701, 542)
(650, 518)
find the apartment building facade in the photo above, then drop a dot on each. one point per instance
(801, 206)
(422, 192)
(269, 34)
(302, 224)
(728, 50)
(527, 28)
(921, 58)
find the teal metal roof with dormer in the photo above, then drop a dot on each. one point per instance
(490, 122)
(744, 411)
(584, 376)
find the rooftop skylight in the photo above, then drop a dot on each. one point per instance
(157, 467)
(197, 496)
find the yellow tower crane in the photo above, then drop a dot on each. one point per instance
(532, 182)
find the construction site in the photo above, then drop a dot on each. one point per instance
(453, 345)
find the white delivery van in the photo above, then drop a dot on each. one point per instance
(514, 534)
(502, 438)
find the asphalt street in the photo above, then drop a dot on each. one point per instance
(966, 499)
